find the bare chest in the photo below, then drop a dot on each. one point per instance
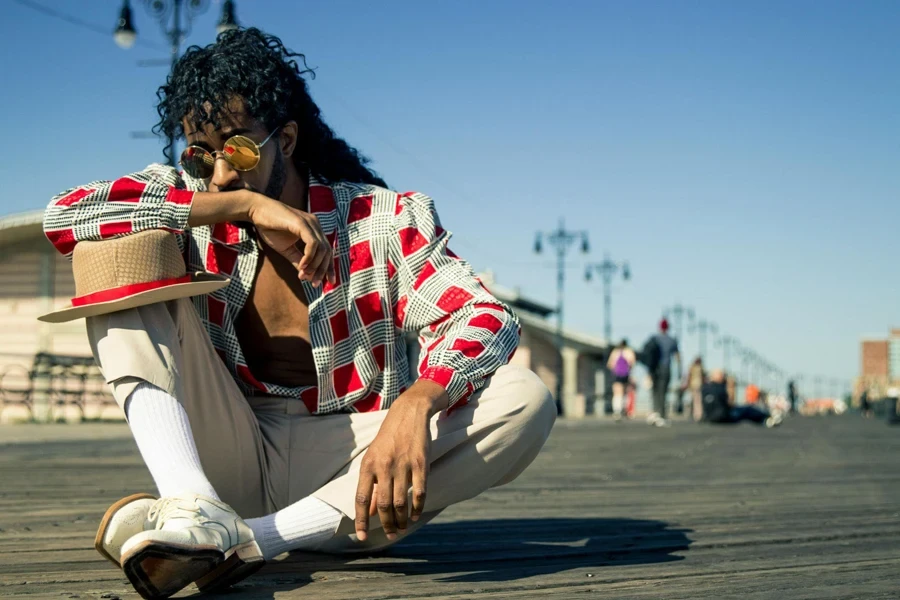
(273, 326)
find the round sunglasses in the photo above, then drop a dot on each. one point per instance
(239, 151)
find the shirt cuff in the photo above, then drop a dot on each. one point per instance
(178, 208)
(457, 387)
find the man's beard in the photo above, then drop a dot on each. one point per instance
(277, 178)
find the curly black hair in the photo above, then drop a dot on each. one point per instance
(257, 67)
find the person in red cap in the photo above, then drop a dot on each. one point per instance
(658, 354)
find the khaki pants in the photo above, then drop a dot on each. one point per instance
(262, 454)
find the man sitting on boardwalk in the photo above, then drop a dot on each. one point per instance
(277, 413)
(717, 406)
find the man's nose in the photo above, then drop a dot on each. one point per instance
(224, 175)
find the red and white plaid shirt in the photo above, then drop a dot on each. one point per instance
(394, 270)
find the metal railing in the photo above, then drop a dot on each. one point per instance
(54, 380)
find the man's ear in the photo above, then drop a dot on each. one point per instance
(287, 138)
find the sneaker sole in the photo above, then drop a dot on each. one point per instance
(158, 570)
(107, 520)
(240, 562)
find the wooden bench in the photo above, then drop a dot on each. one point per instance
(69, 385)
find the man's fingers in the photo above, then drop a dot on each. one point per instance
(419, 478)
(309, 237)
(310, 249)
(363, 499)
(332, 275)
(316, 251)
(294, 256)
(385, 504)
(318, 265)
(401, 495)
(326, 265)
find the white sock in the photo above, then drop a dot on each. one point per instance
(617, 404)
(304, 525)
(163, 434)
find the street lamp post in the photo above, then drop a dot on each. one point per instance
(703, 326)
(562, 240)
(778, 381)
(797, 378)
(728, 344)
(163, 11)
(678, 312)
(748, 357)
(836, 388)
(607, 270)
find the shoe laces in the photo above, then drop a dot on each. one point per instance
(173, 507)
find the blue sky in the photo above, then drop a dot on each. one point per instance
(743, 157)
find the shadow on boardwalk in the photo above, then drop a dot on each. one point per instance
(496, 550)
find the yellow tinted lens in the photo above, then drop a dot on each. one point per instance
(241, 152)
(197, 162)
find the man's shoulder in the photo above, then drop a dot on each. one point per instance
(381, 199)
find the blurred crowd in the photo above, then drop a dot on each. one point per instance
(705, 396)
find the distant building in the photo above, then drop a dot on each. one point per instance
(879, 364)
(583, 355)
(894, 355)
(35, 279)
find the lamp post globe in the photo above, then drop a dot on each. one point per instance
(125, 33)
(228, 20)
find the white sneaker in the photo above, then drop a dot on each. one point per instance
(776, 419)
(652, 418)
(194, 539)
(660, 422)
(125, 518)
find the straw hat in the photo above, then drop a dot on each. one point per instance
(128, 272)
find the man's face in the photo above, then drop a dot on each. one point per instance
(267, 177)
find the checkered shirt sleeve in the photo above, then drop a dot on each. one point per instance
(466, 334)
(155, 198)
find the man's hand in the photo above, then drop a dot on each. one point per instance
(283, 228)
(398, 459)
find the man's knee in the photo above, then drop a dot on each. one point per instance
(138, 344)
(531, 403)
(529, 416)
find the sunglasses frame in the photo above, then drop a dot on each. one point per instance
(217, 154)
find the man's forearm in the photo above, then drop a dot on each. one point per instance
(209, 208)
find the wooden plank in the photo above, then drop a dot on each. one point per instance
(811, 510)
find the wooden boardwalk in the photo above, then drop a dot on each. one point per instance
(810, 510)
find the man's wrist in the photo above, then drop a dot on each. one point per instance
(210, 208)
(249, 202)
(427, 394)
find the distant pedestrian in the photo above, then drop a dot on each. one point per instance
(657, 355)
(717, 407)
(751, 394)
(630, 397)
(792, 395)
(621, 362)
(865, 407)
(694, 381)
(731, 386)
